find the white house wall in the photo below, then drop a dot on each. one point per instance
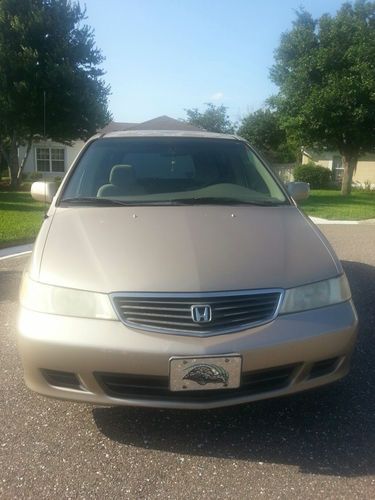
(364, 175)
(70, 153)
(324, 160)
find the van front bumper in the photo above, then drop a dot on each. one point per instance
(105, 362)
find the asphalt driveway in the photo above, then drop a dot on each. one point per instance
(319, 444)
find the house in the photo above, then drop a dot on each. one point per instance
(52, 159)
(364, 174)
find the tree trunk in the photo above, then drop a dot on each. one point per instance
(24, 159)
(4, 158)
(13, 164)
(349, 162)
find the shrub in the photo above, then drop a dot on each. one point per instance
(318, 177)
(35, 176)
(366, 186)
(25, 186)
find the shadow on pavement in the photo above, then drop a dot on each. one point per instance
(10, 282)
(327, 431)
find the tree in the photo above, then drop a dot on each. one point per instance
(213, 119)
(325, 73)
(47, 54)
(263, 131)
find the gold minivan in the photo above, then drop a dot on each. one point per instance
(174, 270)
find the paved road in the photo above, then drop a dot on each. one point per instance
(314, 445)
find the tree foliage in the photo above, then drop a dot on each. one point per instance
(213, 118)
(325, 73)
(47, 50)
(262, 129)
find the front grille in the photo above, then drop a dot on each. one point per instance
(127, 386)
(171, 313)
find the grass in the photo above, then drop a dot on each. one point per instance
(330, 204)
(20, 218)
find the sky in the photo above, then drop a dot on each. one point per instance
(164, 56)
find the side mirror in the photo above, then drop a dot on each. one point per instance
(43, 191)
(299, 190)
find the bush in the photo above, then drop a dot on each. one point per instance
(318, 177)
(26, 186)
(35, 176)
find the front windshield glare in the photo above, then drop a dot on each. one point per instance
(162, 170)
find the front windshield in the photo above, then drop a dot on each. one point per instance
(171, 170)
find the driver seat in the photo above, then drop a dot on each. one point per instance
(122, 182)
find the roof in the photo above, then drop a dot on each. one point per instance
(319, 154)
(160, 123)
(113, 126)
(170, 133)
(165, 123)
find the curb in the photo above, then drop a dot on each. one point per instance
(7, 253)
(318, 220)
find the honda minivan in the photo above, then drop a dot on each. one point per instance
(174, 270)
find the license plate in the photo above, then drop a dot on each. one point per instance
(203, 373)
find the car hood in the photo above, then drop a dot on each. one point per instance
(183, 248)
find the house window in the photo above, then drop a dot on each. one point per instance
(50, 159)
(337, 168)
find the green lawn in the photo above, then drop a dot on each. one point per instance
(20, 218)
(329, 204)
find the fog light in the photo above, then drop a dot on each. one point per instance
(68, 380)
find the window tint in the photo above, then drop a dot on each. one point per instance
(171, 168)
(162, 166)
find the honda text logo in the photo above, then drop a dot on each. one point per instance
(201, 313)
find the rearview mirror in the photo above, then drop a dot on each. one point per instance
(299, 190)
(43, 191)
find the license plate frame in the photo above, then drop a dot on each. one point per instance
(202, 373)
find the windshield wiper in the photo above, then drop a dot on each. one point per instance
(223, 201)
(113, 202)
(209, 200)
(96, 201)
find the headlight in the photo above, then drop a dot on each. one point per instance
(64, 301)
(320, 294)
